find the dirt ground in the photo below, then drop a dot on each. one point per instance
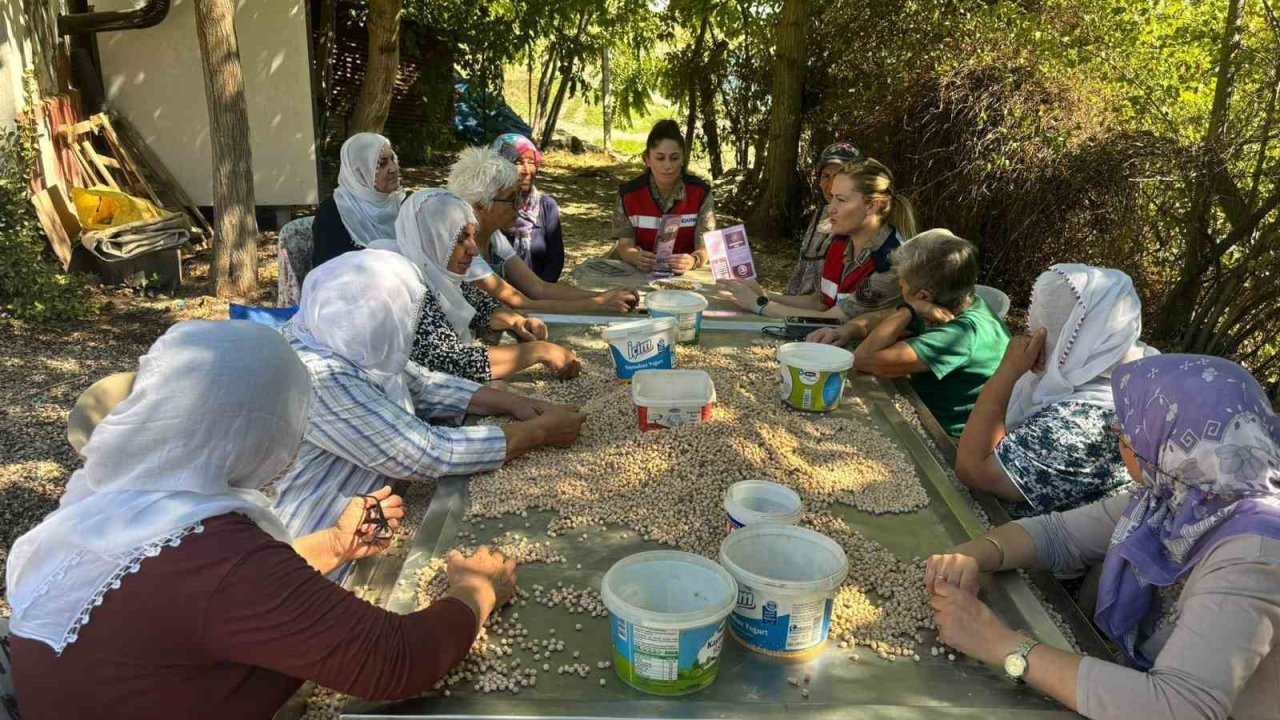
(44, 369)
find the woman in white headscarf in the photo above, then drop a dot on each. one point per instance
(436, 231)
(1039, 439)
(364, 206)
(165, 586)
(375, 415)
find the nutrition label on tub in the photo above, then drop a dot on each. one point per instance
(657, 653)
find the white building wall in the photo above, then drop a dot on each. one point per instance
(154, 78)
(27, 38)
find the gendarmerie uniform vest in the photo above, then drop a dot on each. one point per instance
(837, 284)
(644, 211)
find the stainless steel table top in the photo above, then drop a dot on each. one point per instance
(749, 685)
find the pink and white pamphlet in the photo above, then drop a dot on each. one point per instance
(730, 253)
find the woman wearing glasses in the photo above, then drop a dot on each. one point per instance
(491, 185)
(436, 231)
(1189, 556)
(1037, 438)
(164, 586)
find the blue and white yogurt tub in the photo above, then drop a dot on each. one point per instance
(641, 345)
(667, 611)
(749, 502)
(787, 581)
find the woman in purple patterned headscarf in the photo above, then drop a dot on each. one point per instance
(1190, 557)
(536, 237)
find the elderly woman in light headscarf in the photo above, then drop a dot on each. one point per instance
(1189, 556)
(1037, 437)
(436, 231)
(164, 586)
(536, 236)
(365, 204)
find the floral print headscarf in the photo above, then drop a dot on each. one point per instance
(1208, 444)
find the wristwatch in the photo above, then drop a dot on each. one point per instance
(761, 302)
(1016, 664)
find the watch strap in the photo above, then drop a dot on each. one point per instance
(914, 315)
(1023, 650)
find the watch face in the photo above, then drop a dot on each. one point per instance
(1015, 666)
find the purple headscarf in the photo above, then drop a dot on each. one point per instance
(511, 146)
(1208, 443)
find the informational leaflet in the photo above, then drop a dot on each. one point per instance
(664, 246)
(730, 253)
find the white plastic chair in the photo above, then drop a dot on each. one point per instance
(997, 299)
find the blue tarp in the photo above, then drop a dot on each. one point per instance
(269, 316)
(481, 116)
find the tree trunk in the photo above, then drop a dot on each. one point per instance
(235, 249)
(699, 49)
(606, 102)
(773, 215)
(710, 130)
(553, 114)
(546, 79)
(1180, 302)
(327, 24)
(374, 101)
(529, 83)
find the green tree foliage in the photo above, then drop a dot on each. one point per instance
(31, 287)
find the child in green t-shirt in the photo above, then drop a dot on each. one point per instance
(956, 341)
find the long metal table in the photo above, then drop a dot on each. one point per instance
(749, 685)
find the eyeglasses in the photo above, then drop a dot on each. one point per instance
(373, 515)
(514, 199)
(1115, 429)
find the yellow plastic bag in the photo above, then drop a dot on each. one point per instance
(100, 208)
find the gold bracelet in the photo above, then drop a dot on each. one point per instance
(999, 548)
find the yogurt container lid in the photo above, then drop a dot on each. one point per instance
(682, 301)
(669, 590)
(638, 327)
(815, 356)
(785, 559)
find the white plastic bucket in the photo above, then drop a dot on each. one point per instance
(667, 612)
(813, 375)
(787, 580)
(671, 398)
(685, 306)
(641, 345)
(751, 502)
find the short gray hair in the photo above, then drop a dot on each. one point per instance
(940, 262)
(480, 174)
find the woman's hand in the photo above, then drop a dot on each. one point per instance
(354, 538)
(955, 568)
(743, 295)
(484, 581)
(527, 408)
(1025, 353)
(642, 259)
(927, 311)
(527, 329)
(968, 625)
(618, 299)
(830, 336)
(561, 425)
(682, 263)
(561, 362)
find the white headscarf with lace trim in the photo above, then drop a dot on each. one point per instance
(1093, 317)
(216, 412)
(430, 223)
(363, 307)
(367, 213)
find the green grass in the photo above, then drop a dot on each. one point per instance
(584, 119)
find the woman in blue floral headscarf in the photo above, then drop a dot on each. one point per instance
(1190, 557)
(536, 237)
